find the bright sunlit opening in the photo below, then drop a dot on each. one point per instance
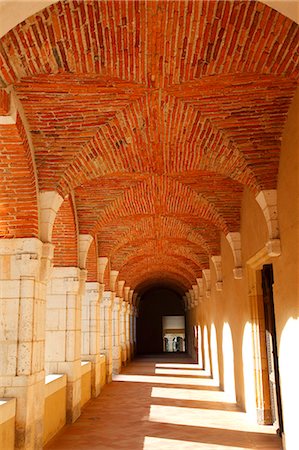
(228, 362)
(214, 352)
(206, 351)
(248, 371)
(159, 443)
(199, 346)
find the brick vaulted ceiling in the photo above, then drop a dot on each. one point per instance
(156, 115)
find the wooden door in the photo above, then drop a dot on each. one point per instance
(271, 346)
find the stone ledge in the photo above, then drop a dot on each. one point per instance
(85, 367)
(53, 383)
(7, 409)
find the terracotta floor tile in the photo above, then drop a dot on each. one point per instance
(163, 403)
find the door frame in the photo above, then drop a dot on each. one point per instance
(260, 361)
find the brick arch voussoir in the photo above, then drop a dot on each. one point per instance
(149, 262)
(73, 48)
(65, 235)
(164, 247)
(146, 228)
(144, 277)
(198, 144)
(114, 149)
(162, 195)
(18, 184)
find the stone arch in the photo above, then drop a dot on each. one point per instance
(65, 235)
(92, 262)
(161, 195)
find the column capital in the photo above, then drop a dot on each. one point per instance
(26, 257)
(116, 304)
(92, 292)
(107, 300)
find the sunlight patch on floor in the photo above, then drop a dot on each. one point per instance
(189, 394)
(155, 379)
(156, 443)
(197, 417)
(178, 366)
(177, 371)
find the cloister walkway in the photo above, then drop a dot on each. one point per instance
(163, 403)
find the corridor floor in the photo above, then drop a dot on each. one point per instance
(163, 403)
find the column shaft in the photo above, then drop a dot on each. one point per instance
(63, 332)
(24, 267)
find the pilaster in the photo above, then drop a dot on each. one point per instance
(63, 331)
(123, 308)
(106, 331)
(91, 332)
(24, 268)
(116, 349)
(127, 328)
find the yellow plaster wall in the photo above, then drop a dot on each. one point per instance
(55, 413)
(85, 387)
(231, 305)
(103, 371)
(286, 275)
(7, 434)
(7, 423)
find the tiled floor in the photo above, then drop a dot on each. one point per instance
(163, 403)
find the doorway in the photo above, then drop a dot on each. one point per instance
(155, 303)
(271, 347)
(173, 334)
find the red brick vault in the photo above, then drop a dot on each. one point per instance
(149, 119)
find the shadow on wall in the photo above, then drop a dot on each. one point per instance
(154, 304)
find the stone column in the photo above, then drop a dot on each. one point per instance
(127, 328)
(106, 331)
(63, 332)
(25, 265)
(116, 350)
(132, 322)
(91, 332)
(123, 308)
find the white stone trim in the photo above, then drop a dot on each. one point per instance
(207, 277)
(102, 263)
(267, 200)
(50, 202)
(113, 278)
(126, 293)
(53, 383)
(85, 367)
(120, 288)
(85, 241)
(11, 117)
(234, 240)
(216, 260)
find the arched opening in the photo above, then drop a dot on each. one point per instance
(155, 304)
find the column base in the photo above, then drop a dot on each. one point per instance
(72, 369)
(95, 373)
(124, 354)
(116, 364)
(29, 393)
